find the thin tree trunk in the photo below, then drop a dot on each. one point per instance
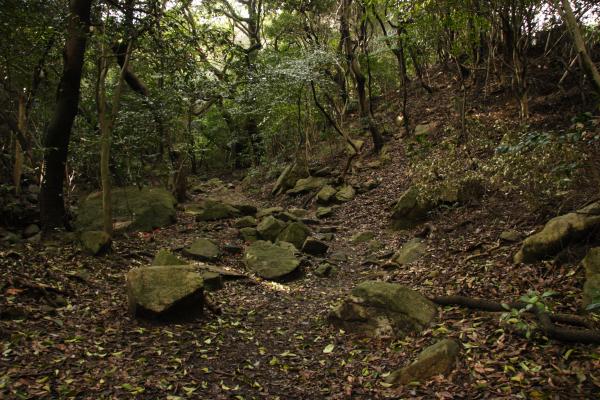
(58, 134)
(19, 156)
(586, 60)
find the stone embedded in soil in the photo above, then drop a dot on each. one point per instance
(203, 249)
(307, 185)
(245, 222)
(295, 233)
(324, 212)
(165, 291)
(298, 212)
(249, 234)
(95, 242)
(213, 210)
(325, 270)
(271, 261)
(382, 309)
(558, 233)
(591, 288)
(326, 194)
(245, 208)
(314, 246)
(410, 252)
(269, 228)
(345, 194)
(362, 237)
(264, 212)
(165, 257)
(410, 209)
(437, 359)
(511, 236)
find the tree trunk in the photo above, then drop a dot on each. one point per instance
(584, 56)
(58, 134)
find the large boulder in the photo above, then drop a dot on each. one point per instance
(436, 359)
(165, 291)
(269, 228)
(145, 209)
(410, 209)
(95, 242)
(382, 309)
(295, 233)
(272, 261)
(307, 185)
(409, 252)
(213, 210)
(203, 249)
(591, 288)
(558, 233)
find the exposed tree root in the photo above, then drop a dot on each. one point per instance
(546, 321)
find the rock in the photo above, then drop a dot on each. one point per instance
(374, 245)
(95, 242)
(339, 256)
(591, 288)
(286, 217)
(269, 228)
(362, 237)
(245, 222)
(31, 230)
(226, 273)
(426, 129)
(323, 172)
(232, 248)
(245, 208)
(369, 185)
(324, 270)
(288, 178)
(410, 209)
(328, 237)
(212, 281)
(249, 234)
(295, 233)
(268, 211)
(165, 291)
(346, 193)
(310, 221)
(410, 252)
(383, 309)
(213, 210)
(437, 359)
(328, 229)
(511, 236)
(165, 257)
(357, 143)
(307, 185)
(146, 208)
(558, 233)
(326, 194)
(314, 246)
(324, 212)
(203, 249)
(271, 261)
(298, 212)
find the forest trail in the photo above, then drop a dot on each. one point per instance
(273, 340)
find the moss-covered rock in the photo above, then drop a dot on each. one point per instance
(362, 237)
(558, 233)
(410, 209)
(410, 252)
(324, 270)
(146, 209)
(269, 228)
(203, 249)
(326, 194)
(324, 212)
(307, 185)
(591, 288)
(295, 233)
(271, 261)
(265, 212)
(436, 359)
(213, 210)
(346, 193)
(165, 257)
(249, 234)
(384, 309)
(358, 143)
(95, 242)
(314, 246)
(165, 291)
(245, 222)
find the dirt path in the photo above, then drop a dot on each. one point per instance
(270, 340)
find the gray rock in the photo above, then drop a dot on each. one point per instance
(203, 249)
(165, 291)
(436, 359)
(269, 228)
(382, 309)
(271, 261)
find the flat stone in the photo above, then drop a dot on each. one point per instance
(511, 236)
(410, 252)
(264, 212)
(203, 249)
(324, 212)
(307, 185)
(362, 237)
(314, 246)
(437, 359)
(245, 222)
(249, 234)
(324, 270)
(31, 230)
(269, 228)
(165, 257)
(295, 233)
(212, 210)
(271, 261)
(326, 194)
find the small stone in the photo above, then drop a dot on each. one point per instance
(268, 211)
(249, 234)
(95, 242)
(306, 185)
(245, 222)
(203, 249)
(346, 193)
(339, 256)
(298, 212)
(328, 237)
(328, 229)
(511, 236)
(374, 245)
(324, 270)
(362, 237)
(324, 212)
(286, 217)
(314, 246)
(326, 194)
(232, 248)
(410, 252)
(165, 257)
